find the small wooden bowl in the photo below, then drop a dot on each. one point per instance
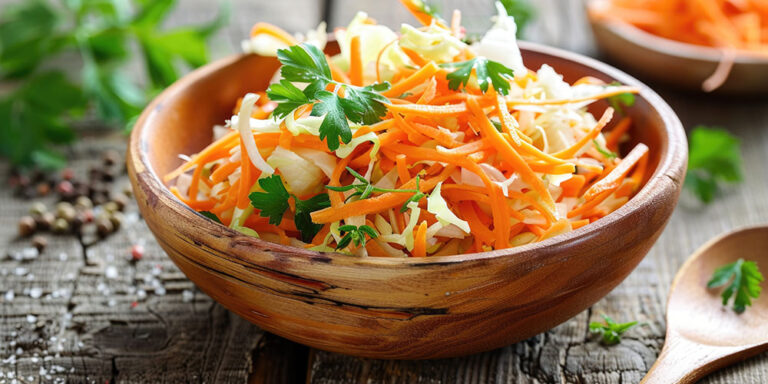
(685, 66)
(377, 307)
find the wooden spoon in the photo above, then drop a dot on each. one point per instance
(702, 334)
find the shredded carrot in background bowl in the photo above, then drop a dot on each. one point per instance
(412, 144)
(735, 27)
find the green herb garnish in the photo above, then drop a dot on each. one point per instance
(273, 203)
(486, 71)
(306, 64)
(355, 235)
(604, 151)
(610, 330)
(713, 157)
(744, 278)
(365, 189)
(622, 100)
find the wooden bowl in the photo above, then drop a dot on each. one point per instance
(377, 307)
(682, 65)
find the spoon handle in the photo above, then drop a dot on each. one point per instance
(683, 361)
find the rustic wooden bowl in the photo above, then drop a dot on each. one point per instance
(682, 65)
(396, 308)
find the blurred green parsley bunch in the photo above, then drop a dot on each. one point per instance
(39, 102)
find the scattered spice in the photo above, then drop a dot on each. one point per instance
(39, 242)
(60, 226)
(104, 227)
(137, 252)
(27, 226)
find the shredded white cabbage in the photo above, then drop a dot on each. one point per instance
(437, 206)
(346, 149)
(500, 43)
(405, 238)
(323, 160)
(373, 39)
(302, 176)
(432, 42)
(246, 135)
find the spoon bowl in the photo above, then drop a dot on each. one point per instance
(703, 335)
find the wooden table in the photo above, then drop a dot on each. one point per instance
(85, 328)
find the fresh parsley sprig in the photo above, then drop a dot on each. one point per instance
(306, 64)
(356, 235)
(610, 330)
(744, 278)
(365, 189)
(713, 157)
(274, 202)
(486, 71)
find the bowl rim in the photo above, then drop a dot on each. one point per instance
(671, 168)
(669, 47)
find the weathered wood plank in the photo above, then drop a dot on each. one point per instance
(82, 335)
(102, 317)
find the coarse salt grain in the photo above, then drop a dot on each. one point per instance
(111, 272)
(9, 296)
(31, 319)
(35, 292)
(187, 296)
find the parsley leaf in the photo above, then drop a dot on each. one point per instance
(365, 104)
(356, 235)
(335, 123)
(486, 71)
(303, 219)
(610, 330)
(273, 203)
(618, 102)
(744, 278)
(306, 64)
(714, 157)
(287, 96)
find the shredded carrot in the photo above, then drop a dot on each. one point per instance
(612, 180)
(276, 32)
(420, 241)
(355, 62)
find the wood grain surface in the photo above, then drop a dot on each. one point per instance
(187, 329)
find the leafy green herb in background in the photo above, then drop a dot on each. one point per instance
(522, 11)
(611, 331)
(714, 157)
(43, 103)
(744, 278)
